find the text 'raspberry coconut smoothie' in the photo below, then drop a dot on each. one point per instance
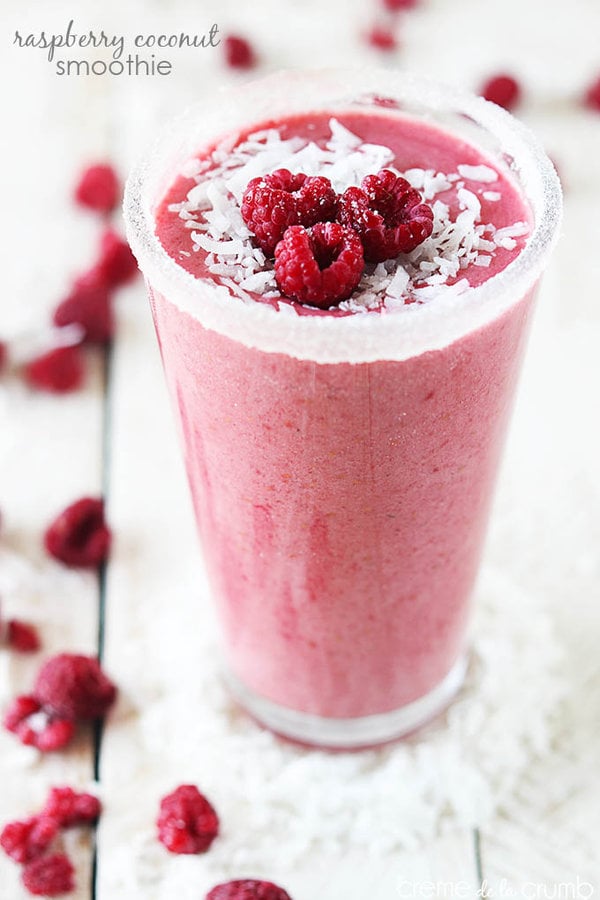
(341, 447)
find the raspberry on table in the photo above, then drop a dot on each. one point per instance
(247, 889)
(504, 90)
(382, 38)
(28, 839)
(79, 535)
(36, 726)
(98, 188)
(58, 371)
(117, 264)
(397, 5)
(88, 304)
(56, 735)
(320, 266)
(274, 202)
(50, 876)
(74, 687)
(239, 53)
(187, 823)
(22, 636)
(388, 215)
(592, 95)
(20, 709)
(67, 807)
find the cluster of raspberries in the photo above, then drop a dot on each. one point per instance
(321, 240)
(69, 688)
(88, 302)
(28, 842)
(188, 823)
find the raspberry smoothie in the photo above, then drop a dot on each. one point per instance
(342, 460)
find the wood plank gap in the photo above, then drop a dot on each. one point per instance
(478, 861)
(105, 483)
(107, 394)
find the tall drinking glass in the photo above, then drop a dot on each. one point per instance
(342, 467)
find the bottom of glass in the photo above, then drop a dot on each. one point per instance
(349, 734)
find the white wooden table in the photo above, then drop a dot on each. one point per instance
(116, 436)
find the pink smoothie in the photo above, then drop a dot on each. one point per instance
(342, 507)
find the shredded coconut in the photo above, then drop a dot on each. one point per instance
(451, 776)
(478, 173)
(212, 212)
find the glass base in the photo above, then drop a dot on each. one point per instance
(349, 734)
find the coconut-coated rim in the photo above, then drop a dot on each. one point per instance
(357, 338)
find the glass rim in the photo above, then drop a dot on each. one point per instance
(356, 338)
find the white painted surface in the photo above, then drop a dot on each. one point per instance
(546, 528)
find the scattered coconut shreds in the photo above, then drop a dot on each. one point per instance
(213, 215)
(376, 803)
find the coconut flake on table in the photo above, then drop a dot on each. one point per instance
(212, 212)
(376, 802)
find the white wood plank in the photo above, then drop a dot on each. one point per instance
(50, 447)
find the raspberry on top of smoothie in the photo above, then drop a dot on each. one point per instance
(318, 261)
(462, 218)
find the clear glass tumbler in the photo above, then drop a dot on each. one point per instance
(342, 468)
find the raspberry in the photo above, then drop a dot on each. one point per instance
(37, 727)
(89, 305)
(396, 5)
(98, 188)
(49, 876)
(79, 535)
(68, 807)
(320, 266)
(56, 735)
(388, 215)
(22, 637)
(24, 841)
(248, 889)
(269, 207)
(74, 687)
(58, 371)
(592, 96)
(238, 52)
(503, 90)
(19, 711)
(117, 264)
(187, 823)
(382, 39)
(316, 201)
(273, 203)
(3, 355)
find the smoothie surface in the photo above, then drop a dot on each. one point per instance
(481, 220)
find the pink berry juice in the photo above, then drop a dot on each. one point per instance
(342, 462)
